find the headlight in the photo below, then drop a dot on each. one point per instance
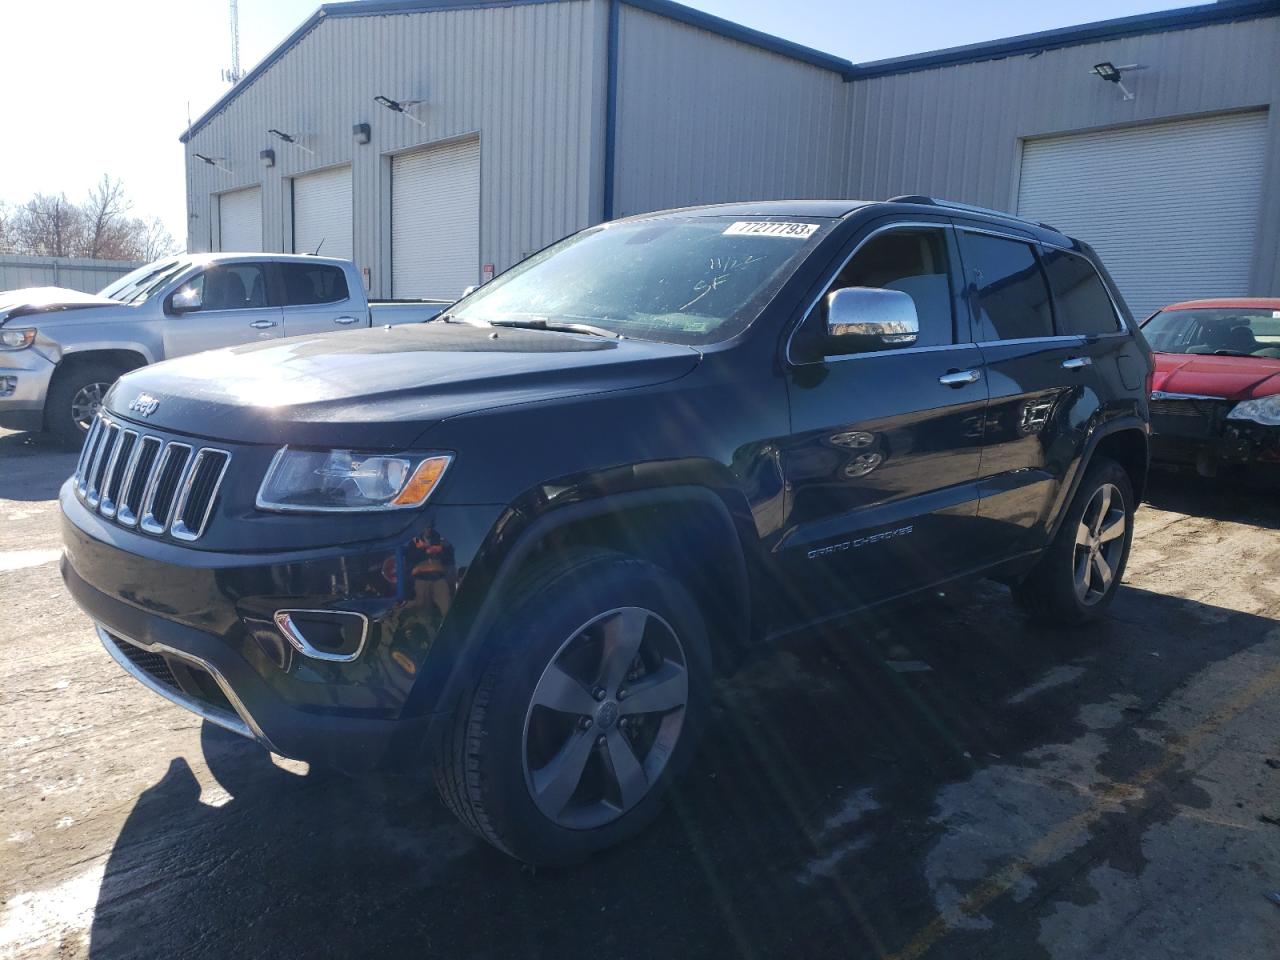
(347, 480)
(16, 338)
(1265, 411)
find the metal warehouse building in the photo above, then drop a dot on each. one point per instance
(506, 124)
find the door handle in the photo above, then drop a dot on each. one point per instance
(959, 378)
(262, 324)
(345, 320)
(1076, 363)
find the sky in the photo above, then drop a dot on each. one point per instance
(106, 86)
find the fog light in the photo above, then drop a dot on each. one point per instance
(336, 635)
(8, 386)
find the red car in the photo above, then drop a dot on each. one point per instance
(1215, 398)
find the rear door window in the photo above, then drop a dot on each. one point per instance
(1081, 301)
(307, 284)
(1007, 289)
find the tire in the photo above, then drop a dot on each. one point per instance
(506, 762)
(1053, 592)
(74, 384)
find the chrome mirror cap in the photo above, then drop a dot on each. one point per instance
(868, 318)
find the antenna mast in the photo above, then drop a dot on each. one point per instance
(234, 74)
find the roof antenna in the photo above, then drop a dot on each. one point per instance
(318, 246)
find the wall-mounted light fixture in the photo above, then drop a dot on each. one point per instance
(362, 132)
(212, 161)
(401, 107)
(287, 138)
(268, 157)
(1109, 72)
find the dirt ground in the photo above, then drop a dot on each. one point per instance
(947, 781)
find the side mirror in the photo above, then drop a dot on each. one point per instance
(861, 319)
(186, 299)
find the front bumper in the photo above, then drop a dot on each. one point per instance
(1195, 433)
(24, 384)
(196, 627)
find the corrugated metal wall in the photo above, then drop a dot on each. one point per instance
(73, 273)
(957, 132)
(516, 76)
(705, 119)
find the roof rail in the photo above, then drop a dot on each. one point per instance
(969, 208)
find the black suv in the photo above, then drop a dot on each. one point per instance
(514, 544)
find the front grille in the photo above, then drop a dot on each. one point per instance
(139, 479)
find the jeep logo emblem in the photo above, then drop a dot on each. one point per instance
(144, 404)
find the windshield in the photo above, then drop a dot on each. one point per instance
(1253, 332)
(137, 286)
(680, 279)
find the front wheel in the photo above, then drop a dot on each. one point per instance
(588, 708)
(1077, 577)
(76, 396)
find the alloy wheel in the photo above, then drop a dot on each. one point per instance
(1100, 543)
(605, 717)
(87, 402)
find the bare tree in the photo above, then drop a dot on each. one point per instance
(154, 240)
(6, 228)
(108, 234)
(49, 226)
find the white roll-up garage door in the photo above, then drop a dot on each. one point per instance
(322, 213)
(1172, 208)
(435, 221)
(240, 221)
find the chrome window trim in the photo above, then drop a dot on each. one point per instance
(243, 723)
(1056, 338)
(1002, 234)
(177, 528)
(290, 631)
(149, 522)
(831, 278)
(106, 505)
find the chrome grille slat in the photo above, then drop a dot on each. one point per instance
(138, 479)
(163, 486)
(106, 447)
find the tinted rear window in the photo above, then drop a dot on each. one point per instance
(311, 283)
(1009, 296)
(1081, 300)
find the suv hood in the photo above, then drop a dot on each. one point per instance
(23, 303)
(381, 388)
(1232, 378)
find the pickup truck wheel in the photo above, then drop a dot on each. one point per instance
(589, 707)
(75, 396)
(1077, 577)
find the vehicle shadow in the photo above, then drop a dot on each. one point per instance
(1246, 497)
(808, 826)
(33, 466)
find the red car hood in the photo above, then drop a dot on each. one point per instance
(1232, 378)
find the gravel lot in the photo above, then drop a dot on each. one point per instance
(943, 782)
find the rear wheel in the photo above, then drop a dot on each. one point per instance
(1077, 577)
(75, 396)
(589, 707)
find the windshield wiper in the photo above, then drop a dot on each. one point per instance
(540, 323)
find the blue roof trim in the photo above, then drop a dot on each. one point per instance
(1162, 21)
(736, 31)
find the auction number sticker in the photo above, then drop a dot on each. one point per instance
(770, 228)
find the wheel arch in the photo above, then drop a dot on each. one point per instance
(685, 528)
(1125, 440)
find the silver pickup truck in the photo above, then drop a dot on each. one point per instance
(60, 350)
